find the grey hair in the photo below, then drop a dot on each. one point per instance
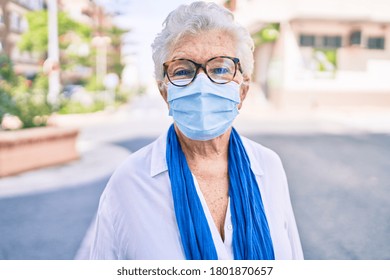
(194, 19)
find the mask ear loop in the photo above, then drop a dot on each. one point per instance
(162, 85)
(245, 80)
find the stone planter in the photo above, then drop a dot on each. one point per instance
(33, 148)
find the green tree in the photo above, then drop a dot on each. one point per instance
(36, 38)
(115, 65)
(269, 33)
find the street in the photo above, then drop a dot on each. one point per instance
(339, 185)
(340, 190)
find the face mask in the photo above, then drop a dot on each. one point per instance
(204, 110)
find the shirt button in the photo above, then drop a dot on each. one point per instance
(229, 227)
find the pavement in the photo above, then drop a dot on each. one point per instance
(104, 140)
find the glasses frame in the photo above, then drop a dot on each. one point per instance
(236, 61)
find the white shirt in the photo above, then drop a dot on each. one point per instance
(136, 217)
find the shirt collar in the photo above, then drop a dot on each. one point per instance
(159, 163)
(255, 165)
(255, 160)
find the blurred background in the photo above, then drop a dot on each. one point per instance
(77, 96)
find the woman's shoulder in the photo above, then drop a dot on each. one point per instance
(259, 151)
(141, 160)
(133, 173)
(263, 159)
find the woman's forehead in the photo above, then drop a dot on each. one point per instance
(203, 46)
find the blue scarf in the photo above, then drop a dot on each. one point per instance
(251, 235)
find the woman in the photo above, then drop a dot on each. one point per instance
(200, 191)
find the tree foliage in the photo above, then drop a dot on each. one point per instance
(21, 98)
(268, 34)
(36, 38)
(115, 64)
(7, 79)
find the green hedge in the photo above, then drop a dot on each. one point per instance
(22, 98)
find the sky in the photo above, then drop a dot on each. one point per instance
(144, 18)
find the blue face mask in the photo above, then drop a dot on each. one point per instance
(204, 110)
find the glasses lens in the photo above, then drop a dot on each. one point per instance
(181, 72)
(221, 69)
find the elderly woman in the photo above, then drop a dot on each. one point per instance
(200, 191)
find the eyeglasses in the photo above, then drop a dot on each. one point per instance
(221, 70)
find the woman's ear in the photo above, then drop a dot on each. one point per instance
(163, 90)
(244, 90)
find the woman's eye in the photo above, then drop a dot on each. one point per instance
(220, 71)
(182, 72)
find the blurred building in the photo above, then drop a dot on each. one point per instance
(94, 16)
(12, 24)
(82, 11)
(87, 12)
(327, 53)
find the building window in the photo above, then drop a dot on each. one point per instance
(306, 40)
(355, 39)
(376, 43)
(331, 42)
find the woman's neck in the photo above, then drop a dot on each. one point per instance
(213, 149)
